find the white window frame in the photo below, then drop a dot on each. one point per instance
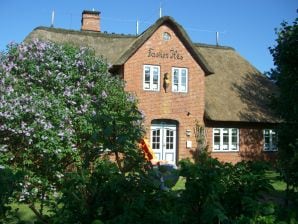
(225, 148)
(150, 86)
(270, 147)
(180, 87)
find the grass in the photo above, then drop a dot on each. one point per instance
(276, 180)
(180, 185)
(24, 213)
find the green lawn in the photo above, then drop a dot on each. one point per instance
(24, 213)
(180, 185)
(275, 180)
(274, 177)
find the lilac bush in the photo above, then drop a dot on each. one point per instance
(61, 110)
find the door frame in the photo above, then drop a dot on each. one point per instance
(171, 124)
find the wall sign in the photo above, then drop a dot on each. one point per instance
(171, 54)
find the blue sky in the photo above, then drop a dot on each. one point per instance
(246, 25)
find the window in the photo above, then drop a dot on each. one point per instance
(166, 36)
(179, 79)
(270, 140)
(225, 139)
(151, 77)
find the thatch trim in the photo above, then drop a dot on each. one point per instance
(82, 33)
(180, 32)
(213, 46)
(240, 124)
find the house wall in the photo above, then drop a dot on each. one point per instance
(251, 144)
(185, 108)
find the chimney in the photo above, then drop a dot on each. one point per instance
(90, 21)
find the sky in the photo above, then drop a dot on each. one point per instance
(246, 25)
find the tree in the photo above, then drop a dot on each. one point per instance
(60, 111)
(285, 74)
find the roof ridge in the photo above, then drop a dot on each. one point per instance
(89, 33)
(214, 46)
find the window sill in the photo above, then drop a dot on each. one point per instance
(225, 151)
(151, 90)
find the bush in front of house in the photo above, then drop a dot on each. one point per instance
(60, 111)
(221, 192)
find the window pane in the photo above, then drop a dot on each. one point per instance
(175, 76)
(273, 140)
(147, 78)
(225, 144)
(216, 140)
(266, 132)
(155, 78)
(155, 75)
(266, 139)
(183, 80)
(169, 139)
(234, 138)
(147, 73)
(175, 86)
(156, 139)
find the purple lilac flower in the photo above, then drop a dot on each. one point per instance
(9, 66)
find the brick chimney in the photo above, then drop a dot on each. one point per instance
(90, 21)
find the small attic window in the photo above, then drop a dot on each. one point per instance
(166, 36)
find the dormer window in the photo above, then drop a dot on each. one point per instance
(151, 77)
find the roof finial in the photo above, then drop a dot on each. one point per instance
(137, 24)
(53, 18)
(160, 10)
(217, 38)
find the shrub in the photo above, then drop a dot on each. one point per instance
(60, 110)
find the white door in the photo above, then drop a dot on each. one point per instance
(163, 142)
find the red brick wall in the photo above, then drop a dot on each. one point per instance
(185, 108)
(168, 105)
(251, 144)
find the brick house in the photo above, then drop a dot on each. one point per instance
(178, 83)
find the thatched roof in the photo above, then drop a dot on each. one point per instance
(108, 45)
(235, 90)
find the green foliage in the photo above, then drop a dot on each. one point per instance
(285, 55)
(108, 195)
(223, 192)
(9, 182)
(61, 110)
